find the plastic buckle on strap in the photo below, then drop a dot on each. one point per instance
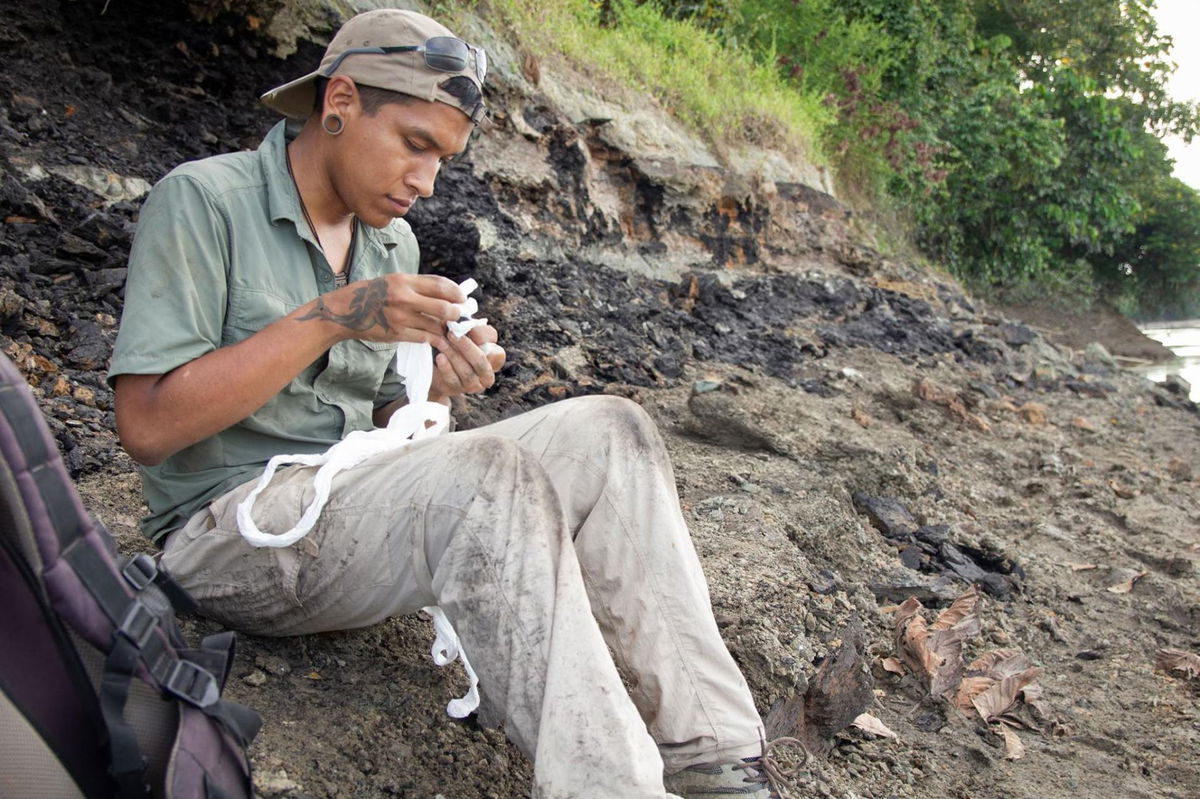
(193, 684)
(140, 571)
(138, 624)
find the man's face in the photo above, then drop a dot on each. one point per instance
(384, 161)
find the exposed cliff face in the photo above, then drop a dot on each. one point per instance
(799, 378)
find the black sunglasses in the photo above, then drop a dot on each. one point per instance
(443, 53)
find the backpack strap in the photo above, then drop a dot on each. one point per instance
(192, 676)
(130, 615)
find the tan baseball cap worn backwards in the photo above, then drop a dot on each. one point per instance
(394, 49)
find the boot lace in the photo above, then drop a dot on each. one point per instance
(774, 772)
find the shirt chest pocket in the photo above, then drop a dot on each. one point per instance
(356, 369)
(251, 310)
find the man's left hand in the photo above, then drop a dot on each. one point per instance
(461, 366)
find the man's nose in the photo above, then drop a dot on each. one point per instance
(422, 176)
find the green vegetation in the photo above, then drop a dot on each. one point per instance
(1019, 138)
(700, 80)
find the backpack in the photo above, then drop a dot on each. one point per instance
(99, 694)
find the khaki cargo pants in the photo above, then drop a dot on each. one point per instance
(543, 537)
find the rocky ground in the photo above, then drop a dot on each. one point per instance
(848, 431)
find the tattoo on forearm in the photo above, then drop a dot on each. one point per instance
(366, 309)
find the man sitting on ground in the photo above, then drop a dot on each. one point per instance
(267, 293)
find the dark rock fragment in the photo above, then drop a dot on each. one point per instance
(901, 583)
(1016, 334)
(965, 567)
(824, 582)
(960, 564)
(887, 515)
(911, 556)
(1177, 386)
(933, 534)
(841, 690)
(104, 281)
(72, 246)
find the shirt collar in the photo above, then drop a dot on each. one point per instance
(282, 197)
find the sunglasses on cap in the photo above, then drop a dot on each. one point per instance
(442, 53)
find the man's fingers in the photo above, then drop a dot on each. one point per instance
(450, 384)
(496, 356)
(473, 370)
(436, 286)
(484, 334)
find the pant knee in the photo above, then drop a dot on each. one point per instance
(615, 424)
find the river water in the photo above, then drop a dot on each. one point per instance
(1183, 338)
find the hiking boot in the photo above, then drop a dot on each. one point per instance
(760, 777)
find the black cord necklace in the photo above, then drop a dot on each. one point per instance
(303, 208)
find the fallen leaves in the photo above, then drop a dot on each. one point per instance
(1034, 413)
(994, 686)
(993, 683)
(952, 401)
(1013, 748)
(1176, 660)
(1125, 586)
(935, 651)
(862, 417)
(869, 724)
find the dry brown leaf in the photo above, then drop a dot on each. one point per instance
(1083, 424)
(868, 723)
(932, 392)
(987, 671)
(1033, 412)
(968, 689)
(1001, 696)
(1124, 492)
(1177, 660)
(963, 609)
(1013, 748)
(999, 663)
(1126, 586)
(937, 653)
(1032, 694)
(862, 417)
(912, 644)
(893, 665)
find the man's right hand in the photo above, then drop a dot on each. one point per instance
(395, 307)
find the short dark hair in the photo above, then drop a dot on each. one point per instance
(373, 98)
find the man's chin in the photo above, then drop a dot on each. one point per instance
(381, 220)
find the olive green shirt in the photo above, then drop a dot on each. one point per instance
(222, 250)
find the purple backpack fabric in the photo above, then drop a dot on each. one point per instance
(91, 657)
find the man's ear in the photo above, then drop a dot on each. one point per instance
(341, 96)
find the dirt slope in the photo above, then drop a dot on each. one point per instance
(801, 380)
